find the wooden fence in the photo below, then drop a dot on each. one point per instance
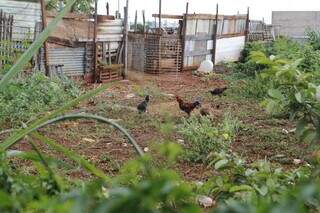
(6, 23)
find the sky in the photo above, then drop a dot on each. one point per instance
(259, 9)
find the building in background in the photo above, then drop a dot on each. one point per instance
(295, 24)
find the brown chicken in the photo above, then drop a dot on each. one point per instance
(187, 107)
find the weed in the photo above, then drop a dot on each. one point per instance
(22, 100)
(203, 136)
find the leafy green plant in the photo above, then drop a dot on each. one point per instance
(250, 47)
(36, 94)
(310, 59)
(203, 136)
(296, 91)
(80, 6)
(11, 53)
(314, 39)
(285, 48)
(303, 198)
(238, 180)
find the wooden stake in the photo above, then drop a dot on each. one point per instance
(160, 12)
(247, 26)
(95, 41)
(136, 21)
(184, 34)
(215, 32)
(144, 20)
(107, 7)
(45, 44)
(109, 53)
(126, 41)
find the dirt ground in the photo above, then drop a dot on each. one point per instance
(260, 136)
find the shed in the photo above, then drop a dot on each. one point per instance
(196, 39)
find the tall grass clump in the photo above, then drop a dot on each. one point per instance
(203, 136)
(25, 99)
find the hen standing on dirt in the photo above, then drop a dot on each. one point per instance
(218, 91)
(142, 107)
(187, 107)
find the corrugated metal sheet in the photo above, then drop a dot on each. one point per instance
(26, 14)
(110, 31)
(73, 59)
(229, 49)
(136, 52)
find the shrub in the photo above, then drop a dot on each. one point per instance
(203, 136)
(310, 59)
(252, 46)
(285, 48)
(238, 180)
(23, 99)
(314, 39)
(248, 68)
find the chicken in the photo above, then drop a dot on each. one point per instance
(142, 107)
(218, 91)
(187, 107)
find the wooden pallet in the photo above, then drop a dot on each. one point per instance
(109, 73)
(163, 54)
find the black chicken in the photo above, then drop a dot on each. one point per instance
(218, 91)
(142, 107)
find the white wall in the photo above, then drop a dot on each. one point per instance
(229, 49)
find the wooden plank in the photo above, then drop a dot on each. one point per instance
(198, 53)
(167, 16)
(230, 35)
(60, 41)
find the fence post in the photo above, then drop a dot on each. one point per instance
(214, 45)
(144, 21)
(45, 45)
(126, 40)
(184, 34)
(1, 35)
(95, 42)
(247, 26)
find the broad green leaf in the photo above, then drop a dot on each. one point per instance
(220, 164)
(274, 93)
(309, 135)
(302, 126)
(299, 97)
(240, 188)
(263, 191)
